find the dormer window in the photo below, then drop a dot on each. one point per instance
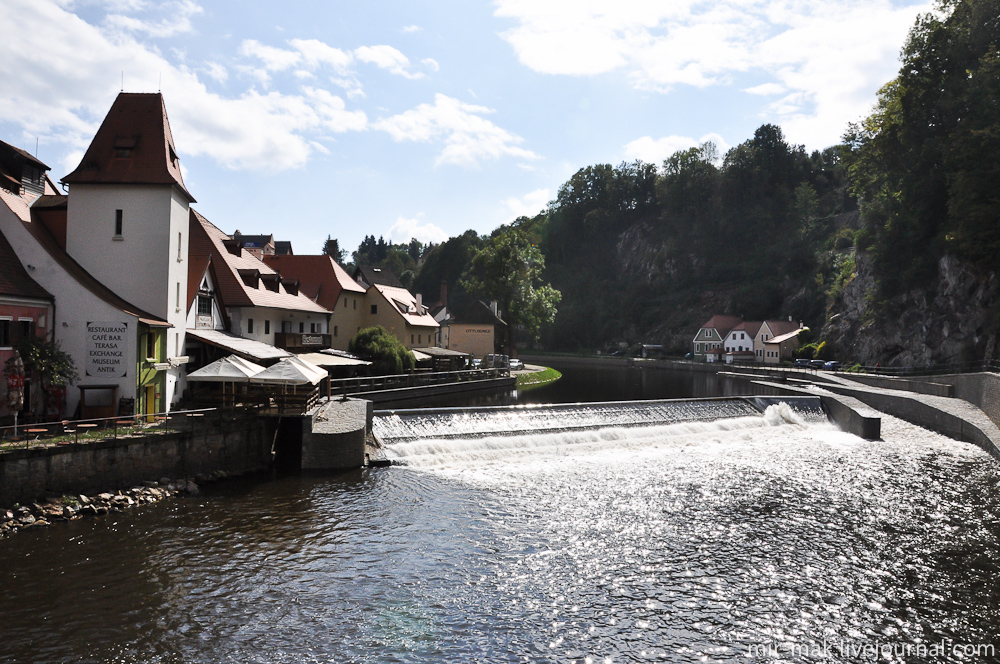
(123, 152)
(124, 146)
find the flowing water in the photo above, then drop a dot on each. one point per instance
(755, 537)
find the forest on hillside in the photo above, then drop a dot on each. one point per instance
(645, 252)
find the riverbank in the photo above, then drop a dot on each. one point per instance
(534, 376)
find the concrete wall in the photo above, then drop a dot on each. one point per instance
(937, 388)
(103, 466)
(333, 438)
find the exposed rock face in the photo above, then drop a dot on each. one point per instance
(953, 323)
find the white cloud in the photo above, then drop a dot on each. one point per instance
(405, 230)
(766, 89)
(469, 138)
(386, 57)
(412, 28)
(431, 64)
(654, 151)
(315, 53)
(177, 20)
(61, 76)
(530, 204)
(830, 57)
(273, 59)
(216, 71)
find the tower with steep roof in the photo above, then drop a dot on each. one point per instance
(127, 218)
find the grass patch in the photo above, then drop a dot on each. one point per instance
(530, 381)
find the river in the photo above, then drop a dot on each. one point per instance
(773, 538)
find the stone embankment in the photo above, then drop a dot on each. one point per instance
(72, 507)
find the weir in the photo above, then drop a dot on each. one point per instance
(392, 427)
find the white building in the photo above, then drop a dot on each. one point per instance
(127, 219)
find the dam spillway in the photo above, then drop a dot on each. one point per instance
(421, 437)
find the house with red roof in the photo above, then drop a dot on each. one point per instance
(261, 304)
(770, 329)
(119, 349)
(127, 220)
(713, 334)
(326, 283)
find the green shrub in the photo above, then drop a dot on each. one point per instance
(387, 354)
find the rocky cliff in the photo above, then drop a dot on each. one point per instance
(953, 321)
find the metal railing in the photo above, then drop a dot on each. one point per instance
(65, 432)
(346, 386)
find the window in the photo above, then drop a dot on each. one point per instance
(267, 327)
(118, 223)
(334, 330)
(411, 338)
(178, 307)
(151, 353)
(374, 309)
(5, 340)
(355, 303)
(302, 328)
(180, 244)
(345, 302)
(420, 338)
(249, 325)
(25, 329)
(123, 152)
(204, 305)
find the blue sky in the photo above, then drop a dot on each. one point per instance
(424, 119)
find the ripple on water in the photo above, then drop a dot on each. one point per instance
(658, 544)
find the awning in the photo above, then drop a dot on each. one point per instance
(324, 360)
(232, 369)
(290, 371)
(247, 348)
(437, 351)
(418, 356)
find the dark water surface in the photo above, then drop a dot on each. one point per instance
(750, 539)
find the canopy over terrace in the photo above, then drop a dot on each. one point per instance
(232, 369)
(292, 372)
(245, 348)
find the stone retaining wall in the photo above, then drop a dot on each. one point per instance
(26, 475)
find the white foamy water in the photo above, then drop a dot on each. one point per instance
(438, 452)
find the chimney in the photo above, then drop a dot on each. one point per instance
(789, 319)
(493, 308)
(443, 300)
(420, 304)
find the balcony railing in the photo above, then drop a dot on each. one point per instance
(288, 340)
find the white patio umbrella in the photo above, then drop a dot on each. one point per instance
(232, 369)
(290, 371)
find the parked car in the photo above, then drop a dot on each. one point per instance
(803, 363)
(516, 364)
(832, 365)
(817, 364)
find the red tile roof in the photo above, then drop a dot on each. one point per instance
(321, 278)
(208, 240)
(780, 327)
(405, 304)
(133, 146)
(723, 324)
(750, 327)
(14, 280)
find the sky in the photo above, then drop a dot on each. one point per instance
(424, 119)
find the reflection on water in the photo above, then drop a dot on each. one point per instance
(629, 545)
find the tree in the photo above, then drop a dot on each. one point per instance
(47, 362)
(926, 162)
(332, 248)
(509, 269)
(386, 353)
